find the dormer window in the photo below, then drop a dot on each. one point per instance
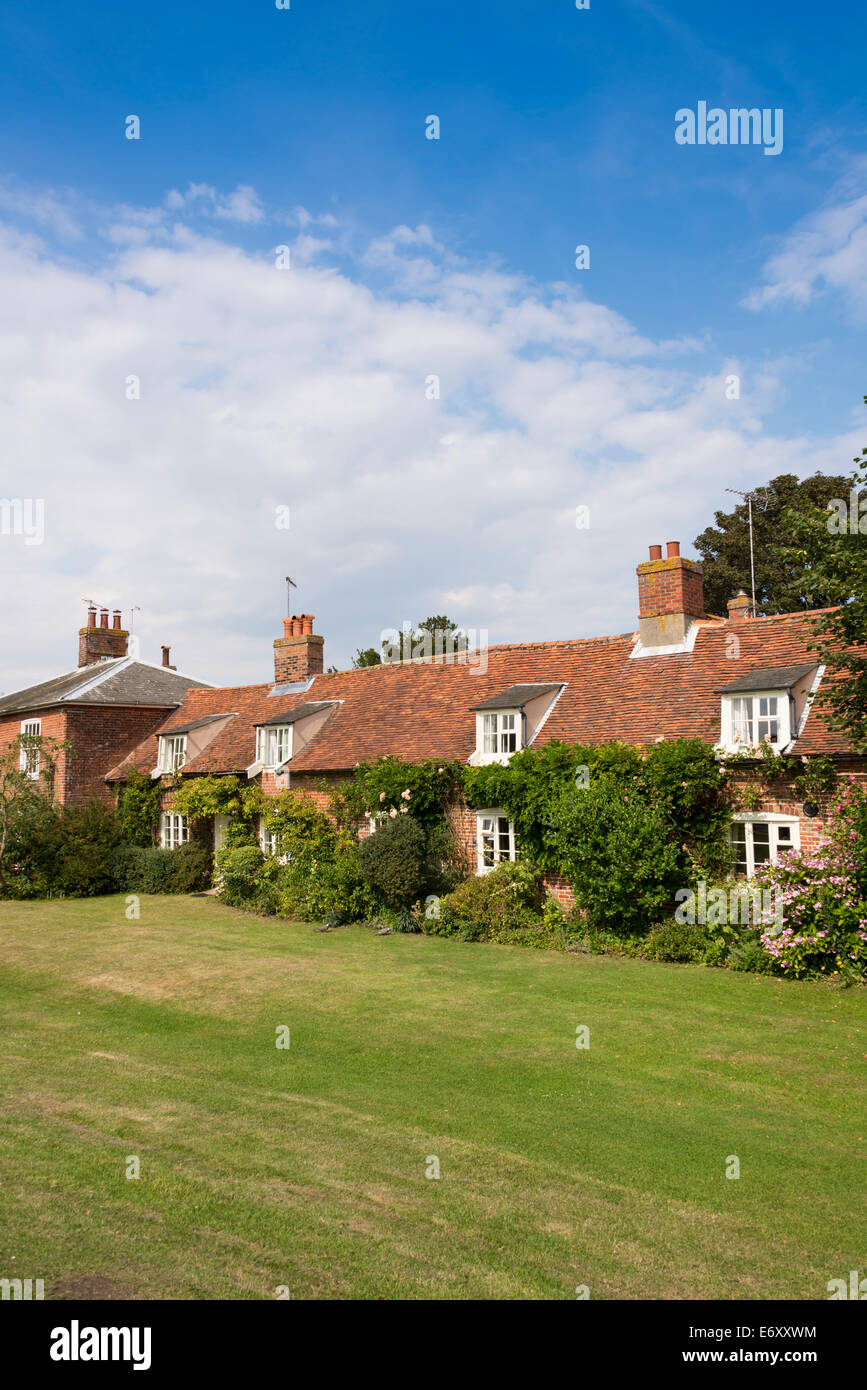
(173, 752)
(763, 708)
(273, 744)
(508, 722)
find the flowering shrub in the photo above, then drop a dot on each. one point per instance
(824, 902)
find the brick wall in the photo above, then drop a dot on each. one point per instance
(99, 738)
(53, 727)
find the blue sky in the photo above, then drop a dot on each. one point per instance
(557, 128)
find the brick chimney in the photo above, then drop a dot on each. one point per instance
(97, 641)
(670, 596)
(299, 653)
(740, 607)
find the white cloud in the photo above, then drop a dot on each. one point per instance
(826, 251)
(306, 388)
(244, 205)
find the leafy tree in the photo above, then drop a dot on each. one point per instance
(28, 817)
(786, 581)
(831, 543)
(439, 624)
(367, 656)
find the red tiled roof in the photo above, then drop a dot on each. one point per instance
(418, 710)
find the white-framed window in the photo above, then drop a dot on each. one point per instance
(754, 718)
(761, 837)
(273, 744)
(495, 840)
(498, 734)
(174, 830)
(269, 840)
(28, 758)
(173, 752)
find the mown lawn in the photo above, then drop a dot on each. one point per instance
(305, 1167)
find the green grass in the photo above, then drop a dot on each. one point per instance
(306, 1167)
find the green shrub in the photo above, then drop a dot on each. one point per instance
(81, 864)
(32, 836)
(332, 890)
(491, 907)
(749, 954)
(135, 869)
(191, 867)
(394, 862)
(685, 942)
(616, 848)
(250, 880)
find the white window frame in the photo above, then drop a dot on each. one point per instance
(494, 830)
(777, 843)
(269, 840)
(28, 758)
(499, 734)
(174, 830)
(173, 752)
(742, 728)
(273, 744)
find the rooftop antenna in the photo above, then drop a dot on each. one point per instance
(749, 497)
(290, 585)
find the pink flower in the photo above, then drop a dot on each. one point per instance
(406, 794)
(392, 813)
(382, 796)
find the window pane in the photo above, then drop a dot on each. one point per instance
(742, 719)
(761, 842)
(738, 832)
(784, 832)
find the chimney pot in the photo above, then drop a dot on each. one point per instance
(166, 654)
(672, 549)
(656, 552)
(298, 654)
(98, 641)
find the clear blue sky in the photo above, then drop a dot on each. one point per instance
(557, 128)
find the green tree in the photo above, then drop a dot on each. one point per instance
(366, 656)
(450, 635)
(831, 544)
(786, 581)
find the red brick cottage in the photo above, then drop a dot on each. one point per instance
(732, 681)
(101, 711)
